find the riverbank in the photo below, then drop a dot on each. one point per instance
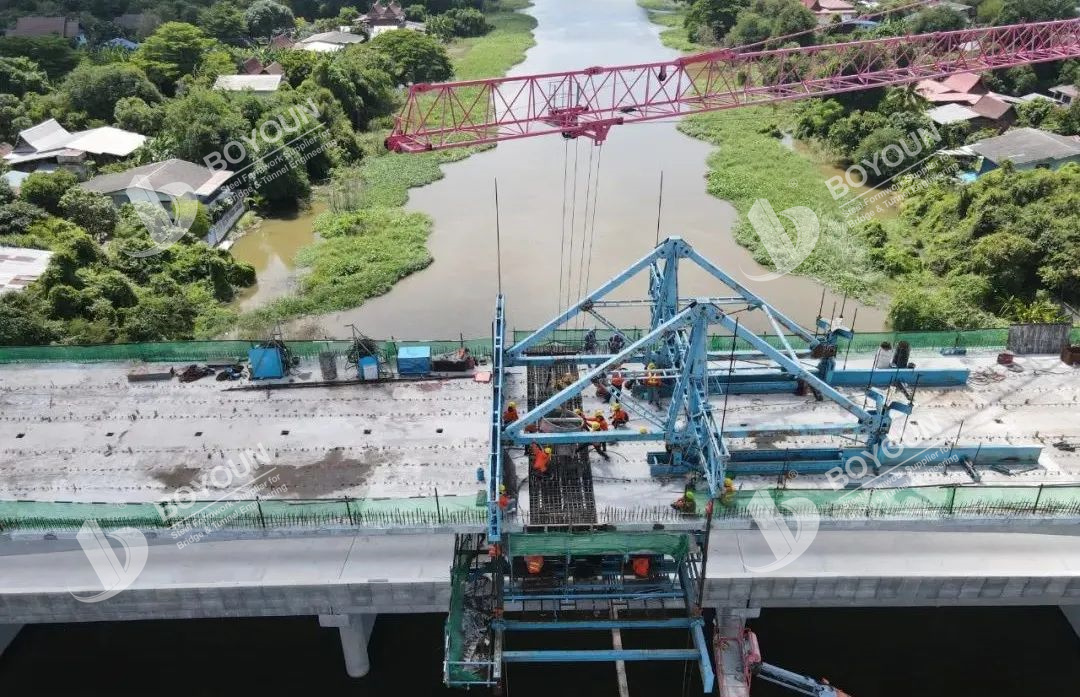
(366, 241)
(752, 163)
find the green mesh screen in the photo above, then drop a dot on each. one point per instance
(557, 543)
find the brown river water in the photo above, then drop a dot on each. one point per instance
(455, 295)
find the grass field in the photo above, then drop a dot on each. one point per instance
(365, 247)
(751, 163)
(670, 15)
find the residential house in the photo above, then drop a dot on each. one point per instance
(828, 11)
(172, 179)
(259, 84)
(20, 267)
(967, 11)
(1026, 148)
(329, 41)
(966, 88)
(282, 42)
(986, 111)
(121, 42)
(254, 66)
(49, 143)
(1064, 94)
(48, 26)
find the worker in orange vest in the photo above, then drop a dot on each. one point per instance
(602, 393)
(652, 385)
(598, 423)
(617, 380)
(540, 459)
(511, 414)
(640, 566)
(534, 563)
(619, 417)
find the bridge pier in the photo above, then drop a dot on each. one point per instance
(355, 630)
(1072, 613)
(730, 673)
(8, 632)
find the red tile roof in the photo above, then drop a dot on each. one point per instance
(991, 108)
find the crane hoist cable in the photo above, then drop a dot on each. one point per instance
(573, 221)
(592, 225)
(562, 235)
(584, 232)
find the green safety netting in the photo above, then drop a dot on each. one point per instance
(863, 341)
(244, 513)
(676, 545)
(214, 351)
(236, 350)
(907, 501)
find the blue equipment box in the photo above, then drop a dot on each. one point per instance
(266, 364)
(414, 360)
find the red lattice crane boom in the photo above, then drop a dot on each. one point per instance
(589, 102)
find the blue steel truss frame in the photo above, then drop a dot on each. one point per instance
(678, 340)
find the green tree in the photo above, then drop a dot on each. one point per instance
(265, 18)
(201, 123)
(45, 189)
(171, 52)
(225, 22)
(13, 118)
(938, 18)
(17, 217)
(89, 210)
(22, 322)
(133, 114)
(708, 21)
(1017, 11)
(361, 81)
(765, 19)
(96, 89)
(20, 75)
(414, 57)
(54, 55)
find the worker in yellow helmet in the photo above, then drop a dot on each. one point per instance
(511, 414)
(652, 385)
(619, 417)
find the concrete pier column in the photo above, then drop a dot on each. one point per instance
(730, 672)
(8, 632)
(355, 630)
(1072, 613)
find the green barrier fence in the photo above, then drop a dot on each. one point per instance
(676, 545)
(236, 350)
(243, 514)
(252, 514)
(863, 341)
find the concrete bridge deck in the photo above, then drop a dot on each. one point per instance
(85, 433)
(410, 573)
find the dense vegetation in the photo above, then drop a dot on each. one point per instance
(952, 255)
(164, 90)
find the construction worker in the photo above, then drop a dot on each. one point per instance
(640, 565)
(619, 417)
(602, 393)
(686, 503)
(599, 423)
(534, 563)
(617, 380)
(652, 385)
(541, 458)
(615, 343)
(729, 492)
(504, 499)
(511, 414)
(590, 341)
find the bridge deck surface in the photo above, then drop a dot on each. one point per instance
(84, 433)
